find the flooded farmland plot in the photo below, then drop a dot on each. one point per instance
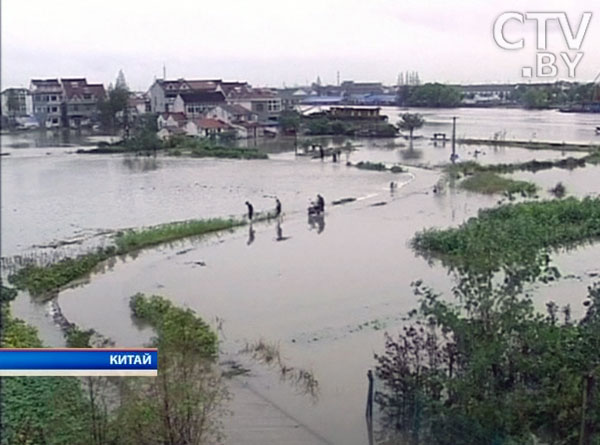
(322, 291)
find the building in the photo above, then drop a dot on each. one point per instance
(47, 97)
(138, 104)
(80, 102)
(16, 102)
(487, 94)
(350, 88)
(265, 103)
(351, 113)
(194, 104)
(232, 114)
(205, 127)
(163, 93)
(292, 97)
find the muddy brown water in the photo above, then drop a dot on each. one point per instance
(324, 291)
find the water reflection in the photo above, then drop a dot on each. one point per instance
(251, 235)
(140, 164)
(279, 231)
(411, 154)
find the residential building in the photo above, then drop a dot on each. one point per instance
(16, 102)
(138, 104)
(80, 102)
(232, 114)
(292, 97)
(262, 101)
(47, 97)
(195, 104)
(205, 127)
(171, 121)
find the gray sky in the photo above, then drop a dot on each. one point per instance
(270, 42)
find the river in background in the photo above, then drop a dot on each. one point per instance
(324, 290)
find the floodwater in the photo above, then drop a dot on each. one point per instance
(324, 290)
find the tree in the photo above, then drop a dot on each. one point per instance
(113, 109)
(434, 95)
(183, 404)
(535, 98)
(121, 83)
(410, 122)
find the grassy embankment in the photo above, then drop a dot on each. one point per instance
(491, 183)
(511, 232)
(180, 146)
(376, 166)
(486, 179)
(531, 145)
(41, 280)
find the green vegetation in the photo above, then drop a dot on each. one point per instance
(376, 166)
(183, 404)
(176, 327)
(145, 140)
(490, 183)
(498, 140)
(135, 239)
(434, 95)
(38, 410)
(554, 95)
(41, 280)
(472, 167)
(513, 233)
(489, 369)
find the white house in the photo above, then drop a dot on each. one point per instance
(205, 127)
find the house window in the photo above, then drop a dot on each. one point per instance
(54, 98)
(273, 105)
(260, 107)
(54, 109)
(87, 96)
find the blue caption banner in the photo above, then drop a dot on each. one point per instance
(106, 361)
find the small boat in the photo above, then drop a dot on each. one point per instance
(597, 130)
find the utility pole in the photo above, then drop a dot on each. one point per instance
(453, 156)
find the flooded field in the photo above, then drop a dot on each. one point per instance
(324, 290)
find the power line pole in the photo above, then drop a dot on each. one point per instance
(453, 156)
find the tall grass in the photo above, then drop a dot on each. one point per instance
(514, 231)
(41, 280)
(491, 183)
(134, 239)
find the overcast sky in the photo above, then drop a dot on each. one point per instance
(277, 42)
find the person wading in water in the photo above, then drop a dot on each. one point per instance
(250, 211)
(277, 207)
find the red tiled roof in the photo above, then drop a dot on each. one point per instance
(210, 124)
(77, 88)
(178, 117)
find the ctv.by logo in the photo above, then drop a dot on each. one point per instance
(546, 62)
